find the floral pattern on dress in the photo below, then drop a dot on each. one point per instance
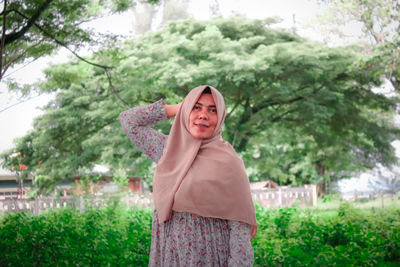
(137, 123)
(186, 239)
(191, 240)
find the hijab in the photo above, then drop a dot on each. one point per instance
(201, 176)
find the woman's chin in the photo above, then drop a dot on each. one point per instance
(198, 135)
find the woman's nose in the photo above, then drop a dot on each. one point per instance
(203, 115)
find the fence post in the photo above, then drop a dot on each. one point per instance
(36, 207)
(81, 204)
(314, 195)
(280, 197)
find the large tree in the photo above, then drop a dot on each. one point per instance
(297, 111)
(34, 28)
(379, 21)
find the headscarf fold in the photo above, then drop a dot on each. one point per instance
(201, 176)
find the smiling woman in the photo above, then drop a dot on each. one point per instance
(204, 214)
(203, 118)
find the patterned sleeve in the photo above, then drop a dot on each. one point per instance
(137, 123)
(241, 252)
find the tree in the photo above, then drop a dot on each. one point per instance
(297, 111)
(34, 28)
(20, 169)
(380, 25)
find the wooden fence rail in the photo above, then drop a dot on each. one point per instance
(77, 202)
(280, 197)
(277, 197)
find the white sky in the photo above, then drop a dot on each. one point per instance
(17, 121)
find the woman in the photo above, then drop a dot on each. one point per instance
(204, 214)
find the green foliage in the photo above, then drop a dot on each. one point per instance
(42, 185)
(380, 24)
(40, 27)
(85, 182)
(111, 236)
(282, 220)
(297, 111)
(114, 236)
(34, 27)
(121, 178)
(348, 238)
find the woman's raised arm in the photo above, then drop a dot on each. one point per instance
(137, 123)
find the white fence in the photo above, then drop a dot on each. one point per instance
(77, 202)
(286, 196)
(277, 197)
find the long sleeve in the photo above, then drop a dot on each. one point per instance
(241, 252)
(137, 123)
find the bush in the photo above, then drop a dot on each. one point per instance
(293, 237)
(115, 236)
(110, 236)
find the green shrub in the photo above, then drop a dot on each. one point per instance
(110, 236)
(295, 237)
(115, 236)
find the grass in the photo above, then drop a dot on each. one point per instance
(333, 202)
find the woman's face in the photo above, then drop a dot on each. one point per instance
(203, 118)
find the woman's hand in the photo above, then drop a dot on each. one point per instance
(253, 231)
(171, 110)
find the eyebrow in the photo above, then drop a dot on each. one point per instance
(210, 106)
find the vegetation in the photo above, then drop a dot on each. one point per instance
(297, 111)
(32, 29)
(380, 30)
(97, 237)
(114, 236)
(348, 237)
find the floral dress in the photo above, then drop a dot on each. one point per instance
(186, 239)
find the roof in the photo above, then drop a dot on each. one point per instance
(262, 185)
(6, 173)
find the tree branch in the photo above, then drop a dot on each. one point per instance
(69, 49)
(16, 58)
(112, 88)
(3, 38)
(280, 117)
(106, 68)
(238, 102)
(31, 21)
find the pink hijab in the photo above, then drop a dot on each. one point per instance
(201, 176)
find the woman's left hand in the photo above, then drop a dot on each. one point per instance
(171, 110)
(253, 231)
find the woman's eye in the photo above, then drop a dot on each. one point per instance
(213, 110)
(196, 108)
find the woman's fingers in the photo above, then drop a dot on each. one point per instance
(253, 231)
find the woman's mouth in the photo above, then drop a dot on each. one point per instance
(202, 126)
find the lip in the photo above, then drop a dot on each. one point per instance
(201, 125)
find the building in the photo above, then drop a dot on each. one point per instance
(105, 185)
(9, 186)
